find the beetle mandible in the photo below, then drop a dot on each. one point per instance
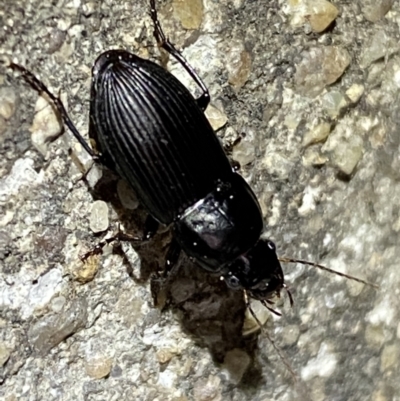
(150, 130)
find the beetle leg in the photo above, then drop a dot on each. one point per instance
(204, 99)
(171, 258)
(40, 87)
(160, 283)
(150, 229)
(234, 164)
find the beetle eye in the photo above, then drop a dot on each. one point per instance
(233, 282)
(271, 245)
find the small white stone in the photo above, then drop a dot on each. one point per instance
(46, 125)
(94, 175)
(8, 100)
(316, 134)
(310, 195)
(355, 92)
(323, 365)
(99, 216)
(333, 102)
(22, 174)
(244, 152)
(41, 293)
(383, 313)
(215, 117)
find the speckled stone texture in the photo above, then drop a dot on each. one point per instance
(319, 117)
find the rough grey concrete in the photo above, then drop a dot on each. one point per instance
(74, 332)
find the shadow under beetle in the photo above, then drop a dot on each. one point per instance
(150, 130)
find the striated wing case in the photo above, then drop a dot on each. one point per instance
(148, 127)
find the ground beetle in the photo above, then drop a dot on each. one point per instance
(150, 130)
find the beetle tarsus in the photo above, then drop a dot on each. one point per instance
(120, 236)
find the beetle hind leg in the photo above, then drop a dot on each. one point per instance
(204, 99)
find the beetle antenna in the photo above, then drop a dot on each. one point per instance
(322, 267)
(280, 353)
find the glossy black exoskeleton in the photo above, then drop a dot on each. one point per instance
(150, 130)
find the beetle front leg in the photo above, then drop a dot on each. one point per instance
(40, 87)
(204, 99)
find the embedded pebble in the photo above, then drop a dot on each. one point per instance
(355, 92)
(319, 67)
(289, 335)
(292, 122)
(8, 100)
(56, 40)
(379, 46)
(345, 147)
(98, 366)
(277, 164)
(238, 65)
(244, 152)
(41, 293)
(50, 330)
(374, 336)
(208, 389)
(130, 309)
(323, 365)
(4, 353)
(319, 14)
(322, 14)
(87, 270)
(382, 313)
(126, 195)
(99, 216)
(312, 157)
(189, 13)
(389, 356)
(316, 134)
(57, 303)
(22, 174)
(82, 160)
(46, 125)
(333, 102)
(215, 117)
(89, 8)
(94, 175)
(310, 196)
(167, 379)
(164, 355)
(235, 364)
(374, 10)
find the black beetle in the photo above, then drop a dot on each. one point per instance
(150, 130)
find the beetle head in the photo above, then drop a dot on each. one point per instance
(258, 272)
